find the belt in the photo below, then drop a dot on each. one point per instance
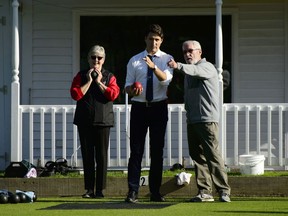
(149, 104)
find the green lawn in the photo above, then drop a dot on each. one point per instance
(70, 206)
(175, 207)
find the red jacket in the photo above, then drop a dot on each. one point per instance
(95, 107)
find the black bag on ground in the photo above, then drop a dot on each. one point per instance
(61, 166)
(53, 167)
(18, 169)
(46, 171)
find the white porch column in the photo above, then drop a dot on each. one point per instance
(219, 64)
(16, 153)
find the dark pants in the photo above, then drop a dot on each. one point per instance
(94, 148)
(204, 151)
(155, 118)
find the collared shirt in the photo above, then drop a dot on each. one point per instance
(137, 71)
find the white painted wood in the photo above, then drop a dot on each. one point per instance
(16, 136)
(259, 124)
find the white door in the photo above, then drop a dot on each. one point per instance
(5, 80)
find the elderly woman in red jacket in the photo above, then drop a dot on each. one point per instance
(94, 89)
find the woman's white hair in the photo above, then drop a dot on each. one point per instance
(96, 50)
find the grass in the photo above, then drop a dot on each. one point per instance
(168, 173)
(69, 206)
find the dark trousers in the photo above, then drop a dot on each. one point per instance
(155, 118)
(94, 142)
(204, 151)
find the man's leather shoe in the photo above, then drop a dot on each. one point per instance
(132, 197)
(88, 194)
(157, 198)
(99, 194)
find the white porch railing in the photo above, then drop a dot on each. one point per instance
(256, 129)
(48, 133)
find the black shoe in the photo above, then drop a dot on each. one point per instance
(88, 194)
(157, 198)
(99, 194)
(132, 197)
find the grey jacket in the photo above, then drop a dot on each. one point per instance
(201, 95)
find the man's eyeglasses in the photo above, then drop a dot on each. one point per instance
(98, 57)
(189, 51)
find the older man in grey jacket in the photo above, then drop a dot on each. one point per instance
(201, 98)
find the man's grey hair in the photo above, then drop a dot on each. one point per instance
(195, 43)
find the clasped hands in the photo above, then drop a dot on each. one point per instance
(90, 77)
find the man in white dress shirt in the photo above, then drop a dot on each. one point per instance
(149, 110)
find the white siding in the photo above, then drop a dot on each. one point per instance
(261, 71)
(52, 54)
(258, 73)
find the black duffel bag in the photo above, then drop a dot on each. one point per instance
(18, 169)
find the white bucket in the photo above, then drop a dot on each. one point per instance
(251, 164)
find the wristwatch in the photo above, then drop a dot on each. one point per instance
(155, 67)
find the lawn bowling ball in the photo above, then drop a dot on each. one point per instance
(137, 85)
(22, 197)
(3, 199)
(34, 197)
(14, 198)
(94, 75)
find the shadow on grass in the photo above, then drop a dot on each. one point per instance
(108, 205)
(260, 199)
(254, 212)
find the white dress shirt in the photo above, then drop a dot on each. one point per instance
(137, 71)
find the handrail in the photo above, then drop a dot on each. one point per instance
(47, 131)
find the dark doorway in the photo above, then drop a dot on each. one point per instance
(123, 37)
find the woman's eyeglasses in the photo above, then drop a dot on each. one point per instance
(98, 57)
